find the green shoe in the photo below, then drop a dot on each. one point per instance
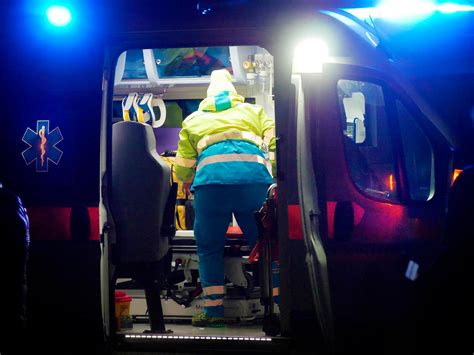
(203, 320)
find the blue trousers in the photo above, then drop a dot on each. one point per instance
(213, 208)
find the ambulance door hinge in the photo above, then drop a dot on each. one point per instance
(105, 229)
(279, 173)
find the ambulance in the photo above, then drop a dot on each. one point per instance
(357, 217)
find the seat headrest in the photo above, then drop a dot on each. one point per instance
(136, 135)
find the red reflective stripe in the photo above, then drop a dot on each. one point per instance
(49, 223)
(54, 223)
(94, 218)
(295, 228)
(331, 209)
(359, 213)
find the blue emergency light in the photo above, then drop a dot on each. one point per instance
(405, 9)
(59, 16)
(450, 8)
(408, 10)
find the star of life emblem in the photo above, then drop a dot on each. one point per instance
(42, 145)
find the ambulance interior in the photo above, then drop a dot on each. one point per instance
(160, 88)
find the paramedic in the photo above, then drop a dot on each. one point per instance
(225, 154)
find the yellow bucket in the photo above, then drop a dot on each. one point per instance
(122, 311)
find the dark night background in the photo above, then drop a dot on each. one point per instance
(56, 74)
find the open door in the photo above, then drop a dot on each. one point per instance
(375, 221)
(316, 259)
(105, 219)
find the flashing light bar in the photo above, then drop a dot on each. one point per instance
(450, 8)
(405, 10)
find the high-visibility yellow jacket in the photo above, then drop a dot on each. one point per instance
(227, 141)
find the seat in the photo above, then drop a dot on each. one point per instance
(142, 202)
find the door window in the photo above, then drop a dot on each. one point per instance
(367, 138)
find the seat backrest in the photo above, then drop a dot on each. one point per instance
(139, 194)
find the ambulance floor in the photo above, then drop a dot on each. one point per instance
(189, 330)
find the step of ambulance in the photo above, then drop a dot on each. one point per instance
(241, 339)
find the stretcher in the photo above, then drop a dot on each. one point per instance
(182, 296)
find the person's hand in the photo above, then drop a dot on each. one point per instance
(186, 187)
